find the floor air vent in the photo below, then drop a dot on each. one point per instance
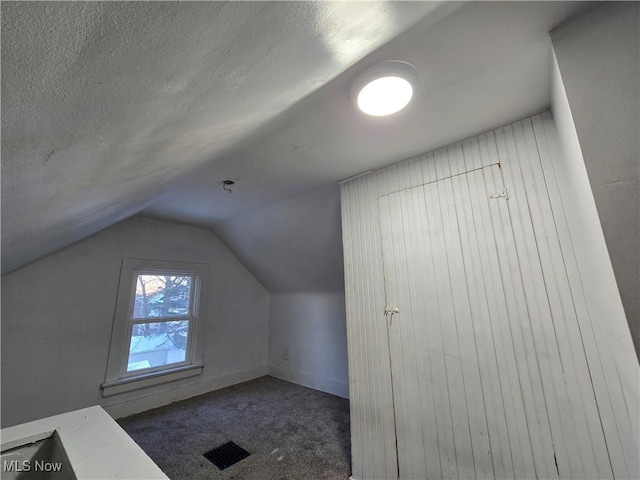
(226, 455)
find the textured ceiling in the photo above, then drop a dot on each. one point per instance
(111, 109)
(105, 104)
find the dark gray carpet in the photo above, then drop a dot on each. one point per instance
(292, 432)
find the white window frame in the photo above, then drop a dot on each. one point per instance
(118, 379)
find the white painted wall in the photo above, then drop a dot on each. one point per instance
(598, 56)
(593, 274)
(57, 315)
(311, 327)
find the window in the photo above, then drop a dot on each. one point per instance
(162, 313)
(156, 334)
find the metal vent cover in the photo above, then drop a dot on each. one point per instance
(226, 455)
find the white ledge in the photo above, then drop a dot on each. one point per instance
(129, 384)
(96, 446)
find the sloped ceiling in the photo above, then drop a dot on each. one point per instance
(105, 104)
(112, 109)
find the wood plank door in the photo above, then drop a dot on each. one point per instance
(467, 388)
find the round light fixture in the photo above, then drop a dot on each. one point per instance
(386, 88)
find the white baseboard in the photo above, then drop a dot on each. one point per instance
(340, 389)
(159, 399)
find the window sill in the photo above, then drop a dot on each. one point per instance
(129, 384)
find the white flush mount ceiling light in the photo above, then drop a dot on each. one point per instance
(386, 88)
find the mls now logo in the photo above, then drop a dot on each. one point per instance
(16, 466)
(28, 466)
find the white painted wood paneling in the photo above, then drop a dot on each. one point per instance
(373, 431)
(495, 366)
(611, 358)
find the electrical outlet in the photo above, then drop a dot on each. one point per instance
(285, 354)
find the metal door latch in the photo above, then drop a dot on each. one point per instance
(503, 194)
(390, 309)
